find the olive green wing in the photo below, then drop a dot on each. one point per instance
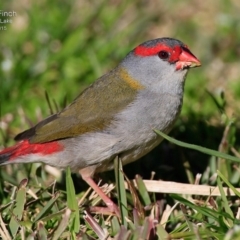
(92, 110)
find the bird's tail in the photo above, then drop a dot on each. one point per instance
(6, 154)
(25, 148)
(4, 157)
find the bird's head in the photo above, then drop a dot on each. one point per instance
(158, 62)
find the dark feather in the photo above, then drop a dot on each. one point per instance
(32, 131)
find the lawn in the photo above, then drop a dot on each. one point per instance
(51, 50)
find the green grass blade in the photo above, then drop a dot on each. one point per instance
(228, 183)
(72, 201)
(225, 203)
(42, 232)
(31, 237)
(54, 215)
(211, 213)
(192, 235)
(161, 232)
(47, 207)
(143, 191)
(198, 148)
(71, 196)
(189, 223)
(122, 198)
(63, 224)
(115, 226)
(19, 208)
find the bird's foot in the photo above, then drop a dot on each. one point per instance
(111, 208)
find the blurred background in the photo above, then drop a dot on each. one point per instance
(60, 47)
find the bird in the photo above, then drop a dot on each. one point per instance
(114, 117)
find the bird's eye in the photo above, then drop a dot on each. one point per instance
(163, 55)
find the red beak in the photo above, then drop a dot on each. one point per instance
(187, 60)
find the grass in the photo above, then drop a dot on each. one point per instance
(60, 48)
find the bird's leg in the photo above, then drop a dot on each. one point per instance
(86, 174)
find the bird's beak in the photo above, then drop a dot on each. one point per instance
(187, 60)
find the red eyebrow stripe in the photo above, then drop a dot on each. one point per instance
(149, 51)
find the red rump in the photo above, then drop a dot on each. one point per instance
(24, 148)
